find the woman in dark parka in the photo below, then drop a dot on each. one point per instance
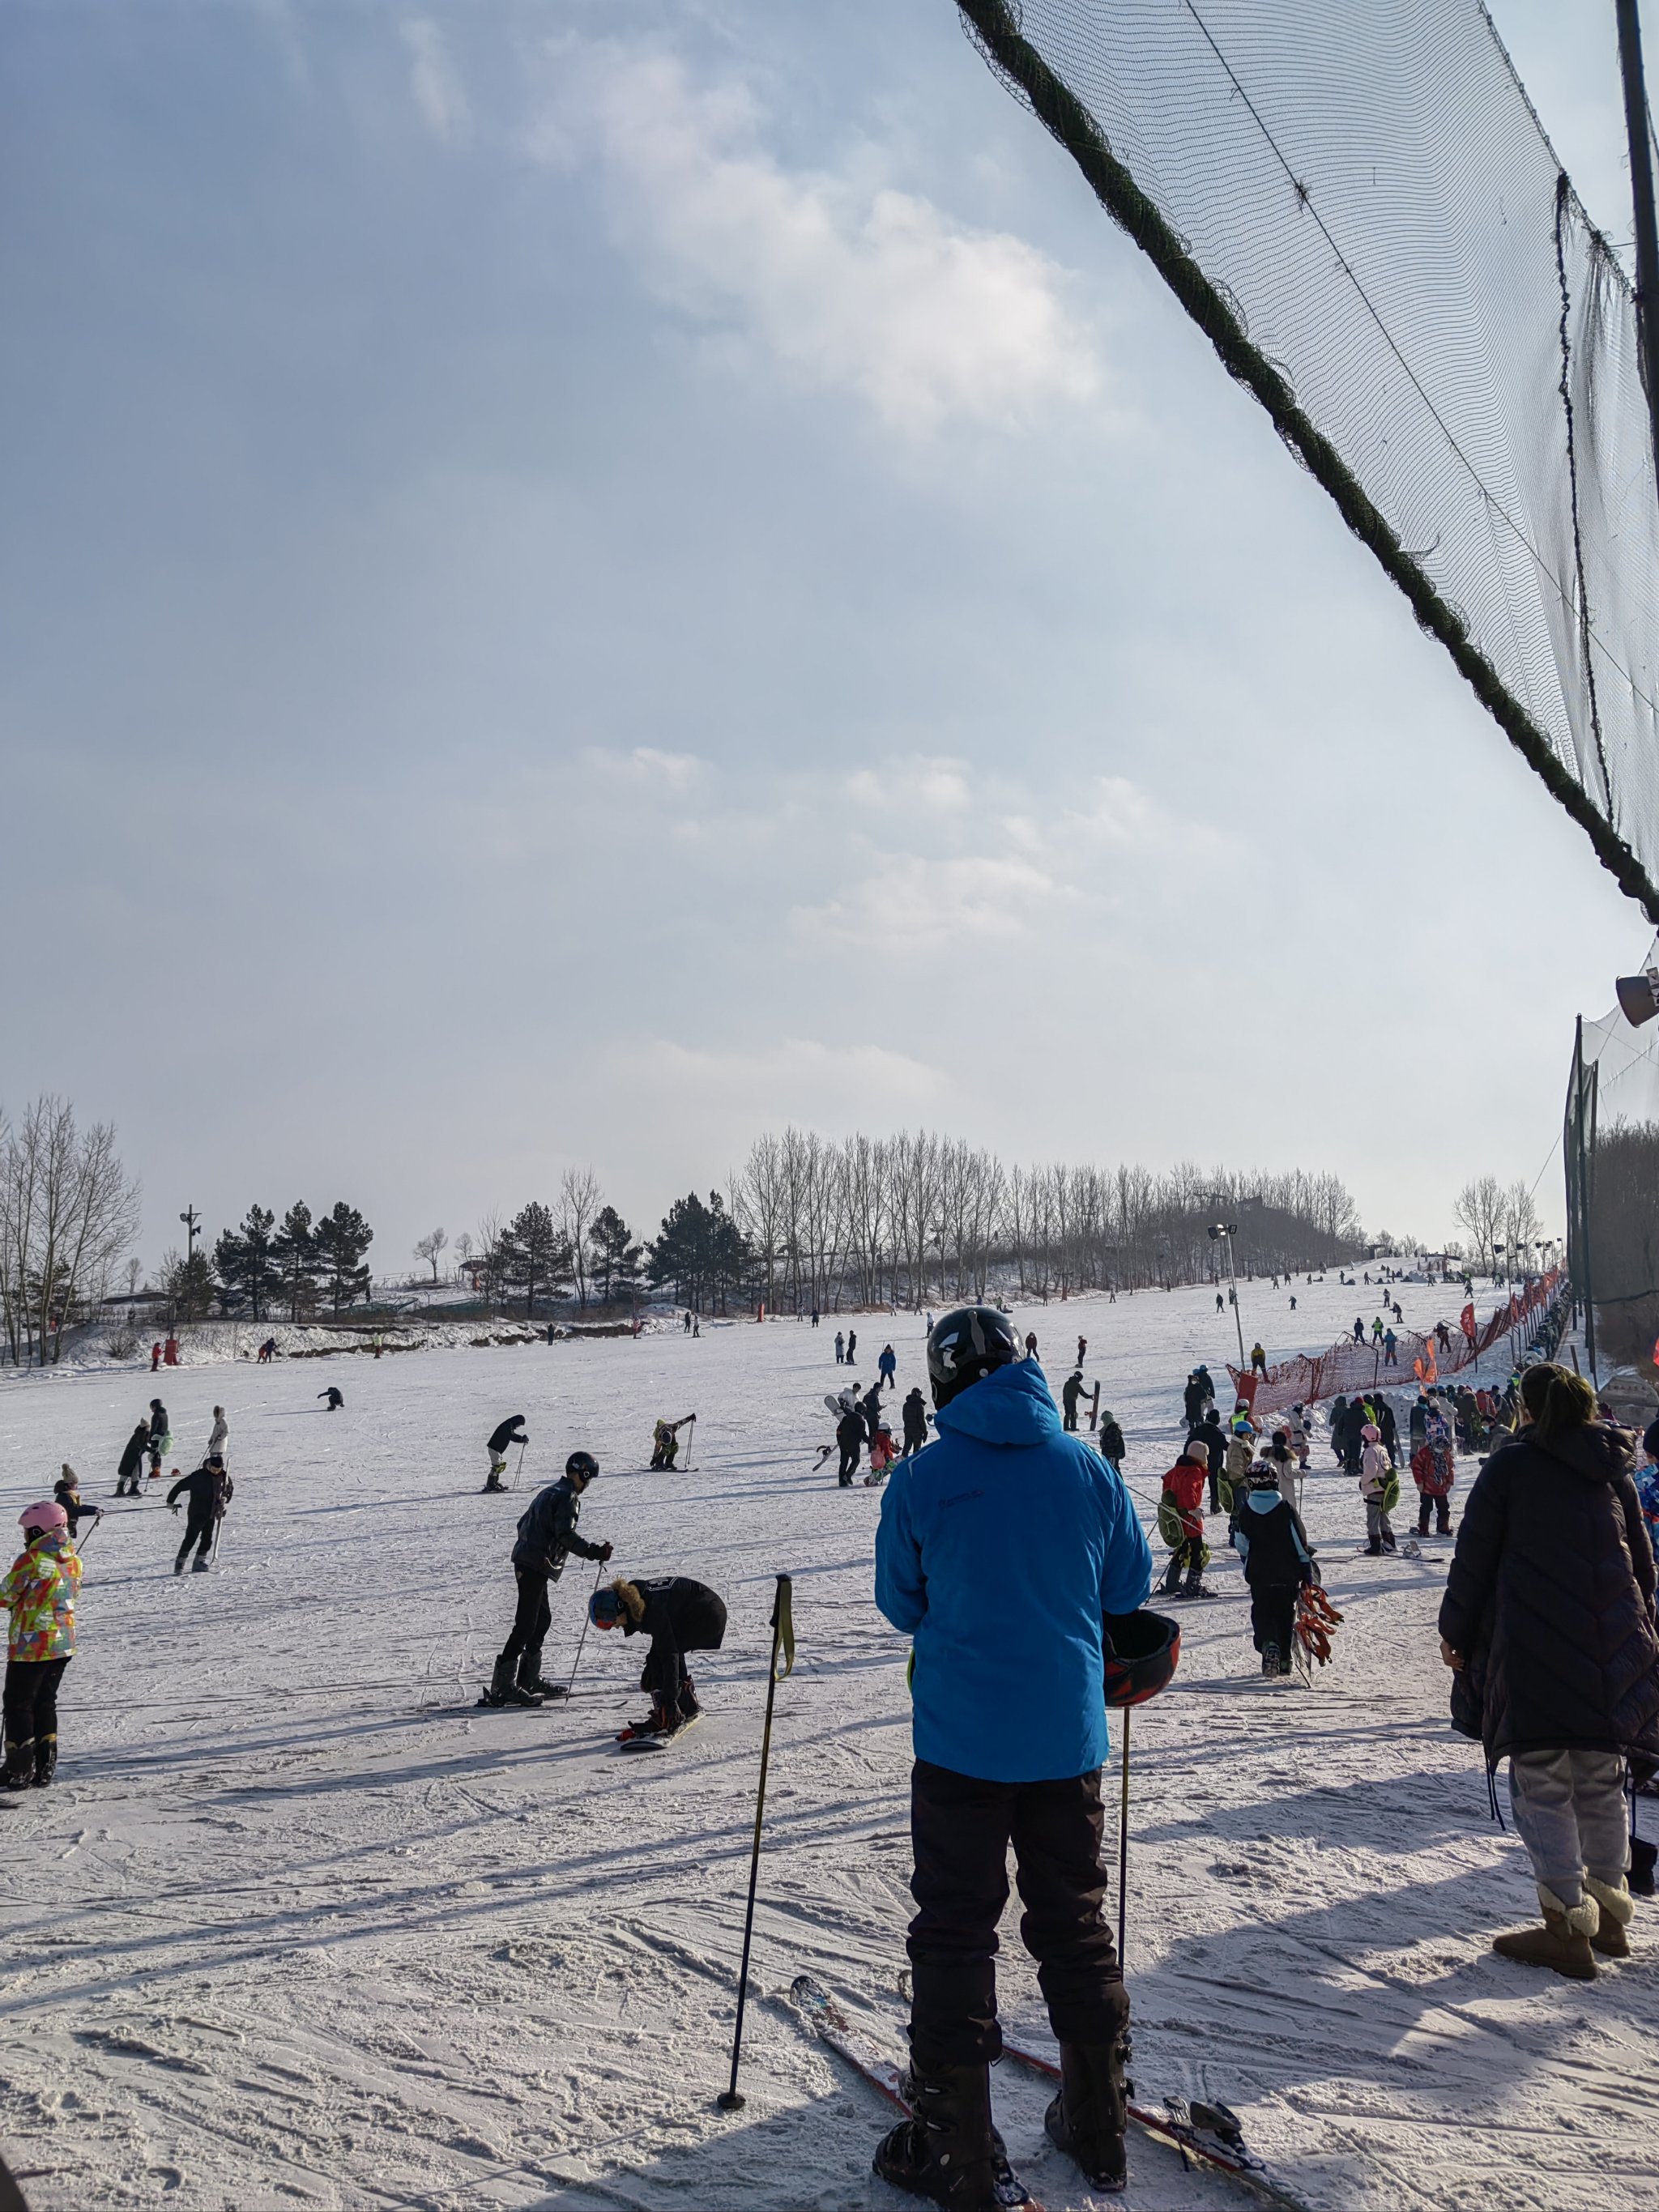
(1548, 1622)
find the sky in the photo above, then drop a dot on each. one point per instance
(580, 581)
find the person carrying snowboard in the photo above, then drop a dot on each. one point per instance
(67, 1491)
(126, 1474)
(1375, 1477)
(336, 1398)
(1434, 1470)
(665, 1444)
(1180, 1520)
(1070, 1391)
(509, 1432)
(850, 1433)
(38, 1595)
(547, 1536)
(915, 1423)
(1271, 1541)
(161, 1435)
(1006, 1520)
(211, 1490)
(678, 1616)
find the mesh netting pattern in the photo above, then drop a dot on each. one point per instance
(1359, 206)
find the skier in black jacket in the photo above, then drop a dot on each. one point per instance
(335, 1396)
(159, 1428)
(211, 1490)
(1210, 1431)
(1194, 1398)
(509, 1432)
(1270, 1539)
(1548, 1626)
(1070, 1391)
(67, 1490)
(915, 1423)
(547, 1536)
(126, 1475)
(1112, 1446)
(849, 1435)
(678, 1616)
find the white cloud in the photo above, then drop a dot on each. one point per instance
(920, 780)
(436, 90)
(845, 283)
(795, 1079)
(647, 767)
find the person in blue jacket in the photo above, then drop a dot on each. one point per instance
(1001, 1546)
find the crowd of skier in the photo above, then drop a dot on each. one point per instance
(1014, 1514)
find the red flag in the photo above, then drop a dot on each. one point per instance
(1466, 1321)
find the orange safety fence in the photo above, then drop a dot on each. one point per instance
(1351, 1364)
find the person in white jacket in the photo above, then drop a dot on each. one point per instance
(1376, 1474)
(220, 1435)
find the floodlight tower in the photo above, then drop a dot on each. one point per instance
(1222, 1232)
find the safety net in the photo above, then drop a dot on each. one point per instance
(1359, 206)
(1610, 1143)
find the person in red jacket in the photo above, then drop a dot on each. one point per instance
(1183, 1498)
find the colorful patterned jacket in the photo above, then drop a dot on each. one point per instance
(38, 1594)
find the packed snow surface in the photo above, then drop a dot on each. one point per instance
(299, 1924)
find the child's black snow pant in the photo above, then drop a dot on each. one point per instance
(1273, 1615)
(960, 1831)
(1188, 1557)
(31, 1719)
(1427, 1502)
(198, 1530)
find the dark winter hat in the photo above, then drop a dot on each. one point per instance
(964, 1346)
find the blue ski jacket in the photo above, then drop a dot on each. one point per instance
(1000, 1547)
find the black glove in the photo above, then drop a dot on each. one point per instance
(604, 1553)
(173, 1508)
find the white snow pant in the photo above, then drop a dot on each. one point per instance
(1569, 1809)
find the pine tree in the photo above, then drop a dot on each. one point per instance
(615, 1257)
(531, 1252)
(701, 1250)
(188, 1285)
(248, 1272)
(293, 1251)
(340, 1240)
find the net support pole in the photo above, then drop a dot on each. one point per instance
(1647, 227)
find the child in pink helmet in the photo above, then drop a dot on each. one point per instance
(39, 1595)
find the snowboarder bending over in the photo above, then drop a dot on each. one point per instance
(679, 1616)
(666, 1442)
(39, 1595)
(509, 1432)
(211, 1490)
(1006, 1520)
(126, 1475)
(336, 1398)
(547, 1536)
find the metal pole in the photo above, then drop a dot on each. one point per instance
(1647, 228)
(582, 1638)
(1232, 1279)
(1123, 1848)
(1584, 1208)
(730, 2098)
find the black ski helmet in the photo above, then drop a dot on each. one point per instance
(604, 1609)
(1141, 1652)
(583, 1465)
(964, 1345)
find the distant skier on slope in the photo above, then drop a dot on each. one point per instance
(915, 1422)
(547, 1535)
(1071, 1390)
(336, 1398)
(850, 1433)
(666, 1442)
(219, 1435)
(211, 1490)
(67, 1493)
(887, 1367)
(1180, 1520)
(38, 1595)
(1278, 1557)
(678, 1616)
(161, 1435)
(126, 1474)
(1112, 1447)
(509, 1432)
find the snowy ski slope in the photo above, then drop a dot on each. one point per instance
(299, 1925)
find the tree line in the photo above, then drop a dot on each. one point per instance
(67, 1213)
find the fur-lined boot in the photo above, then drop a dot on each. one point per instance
(1563, 1943)
(1617, 1910)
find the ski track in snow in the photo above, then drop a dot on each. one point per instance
(300, 1926)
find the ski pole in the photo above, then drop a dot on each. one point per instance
(1123, 1848)
(88, 1538)
(783, 1635)
(690, 1443)
(582, 1638)
(519, 1469)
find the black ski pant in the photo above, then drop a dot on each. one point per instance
(1188, 1557)
(1273, 1615)
(913, 1444)
(531, 1620)
(1070, 1422)
(198, 1530)
(1441, 1507)
(960, 1831)
(850, 1461)
(30, 1705)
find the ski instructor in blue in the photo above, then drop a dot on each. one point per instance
(1001, 1546)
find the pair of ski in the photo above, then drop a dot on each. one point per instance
(1206, 2134)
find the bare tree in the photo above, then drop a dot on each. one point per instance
(580, 1202)
(429, 1247)
(1521, 1227)
(1479, 1207)
(68, 1213)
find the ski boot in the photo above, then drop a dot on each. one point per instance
(46, 1760)
(658, 1722)
(1270, 1659)
(491, 1485)
(1196, 1586)
(1089, 2118)
(504, 1690)
(689, 1708)
(202, 1563)
(530, 1677)
(1563, 1943)
(946, 2149)
(19, 1770)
